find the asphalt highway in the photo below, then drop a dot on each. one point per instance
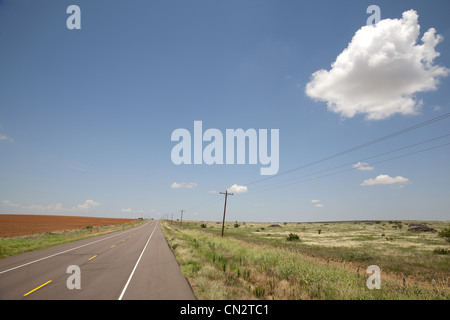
(132, 264)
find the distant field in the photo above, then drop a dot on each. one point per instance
(22, 233)
(14, 225)
(325, 260)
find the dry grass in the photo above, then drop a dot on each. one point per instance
(256, 262)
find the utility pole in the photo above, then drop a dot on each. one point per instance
(181, 221)
(225, 208)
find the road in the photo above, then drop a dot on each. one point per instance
(131, 264)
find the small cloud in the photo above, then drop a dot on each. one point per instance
(213, 191)
(237, 189)
(181, 185)
(88, 204)
(385, 179)
(51, 208)
(126, 210)
(317, 203)
(7, 203)
(362, 166)
(4, 137)
(78, 166)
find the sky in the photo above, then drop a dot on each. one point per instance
(87, 115)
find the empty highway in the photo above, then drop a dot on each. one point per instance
(131, 264)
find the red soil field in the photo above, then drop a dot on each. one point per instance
(14, 225)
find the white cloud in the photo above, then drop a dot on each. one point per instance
(235, 188)
(51, 208)
(381, 70)
(78, 166)
(39, 208)
(4, 137)
(317, 203)
(362, 166)
(7, 203)
(186, 185)
(385, 179)
(87, 205)
(126, 210)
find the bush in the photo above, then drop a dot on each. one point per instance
(445, 233)
(236, 225)
(203, 225)
(441, 251)
(292, 237)
(259, 292)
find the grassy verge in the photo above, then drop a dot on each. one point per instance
(17, 245)
(233, 268)
(418, 256)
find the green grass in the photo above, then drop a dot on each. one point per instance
(255, 261)
(17, 245)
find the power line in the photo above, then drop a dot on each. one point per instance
(204, 204)
(386, 137)
(352, 162)
(269, 187)
(389, 136)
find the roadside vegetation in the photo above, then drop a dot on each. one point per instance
(17, 245)
(313, 260)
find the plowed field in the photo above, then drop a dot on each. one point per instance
(13, 225)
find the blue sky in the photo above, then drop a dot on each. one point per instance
(86, 116)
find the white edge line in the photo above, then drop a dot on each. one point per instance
(50, 256)
(135, 266)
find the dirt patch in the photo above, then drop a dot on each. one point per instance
(14, 225)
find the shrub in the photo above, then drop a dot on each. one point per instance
(259, 292)
(236, 225)
(441, 251)
(445, 233)
(292, 237)
(203, 225)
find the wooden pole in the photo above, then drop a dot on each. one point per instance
(225, 208)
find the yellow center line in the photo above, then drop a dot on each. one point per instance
(92, 258)
(37, 288)
(113, 246)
